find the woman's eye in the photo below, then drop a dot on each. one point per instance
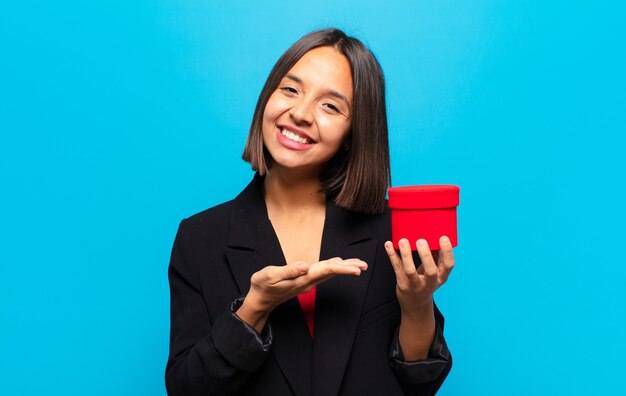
(290, 90)
(332, 107)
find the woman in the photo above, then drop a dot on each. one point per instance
(293, 288)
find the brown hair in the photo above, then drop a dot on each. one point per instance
(357, 177)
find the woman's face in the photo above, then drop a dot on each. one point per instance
(307, 118)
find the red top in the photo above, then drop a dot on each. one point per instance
(307, 303)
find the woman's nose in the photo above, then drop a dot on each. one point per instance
(302, 111)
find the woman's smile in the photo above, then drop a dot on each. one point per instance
(294, 138)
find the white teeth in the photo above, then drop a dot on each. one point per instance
(294, 137)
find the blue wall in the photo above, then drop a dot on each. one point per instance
(118, 119)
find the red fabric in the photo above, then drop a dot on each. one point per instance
(307, 303)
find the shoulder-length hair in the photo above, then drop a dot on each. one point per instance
(357, 177)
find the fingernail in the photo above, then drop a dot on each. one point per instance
(403, 242)
(388, 245)
(303, 267)
(422, 242)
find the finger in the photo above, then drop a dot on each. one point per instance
(396, 262)
(349, 264)
(446, 258)
(351, 261)
(362, 265)
(327, 269)
(290, 271)
(428, 263)
(407, 259)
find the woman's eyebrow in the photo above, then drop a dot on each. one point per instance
(293, 78)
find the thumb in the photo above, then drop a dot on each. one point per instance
(294, 270)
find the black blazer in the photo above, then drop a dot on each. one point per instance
(355, 351)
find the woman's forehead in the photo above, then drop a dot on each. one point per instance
(324, 68)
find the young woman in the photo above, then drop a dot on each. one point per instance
(293, 287)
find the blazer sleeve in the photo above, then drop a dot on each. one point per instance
(207, 358)
(423, 377)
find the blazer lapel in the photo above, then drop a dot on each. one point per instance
(339, 301)
(253, 245)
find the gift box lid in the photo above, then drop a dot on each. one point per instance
(431, 196)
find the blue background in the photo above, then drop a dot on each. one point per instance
(119, 118)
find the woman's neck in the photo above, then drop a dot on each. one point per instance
(286, 190)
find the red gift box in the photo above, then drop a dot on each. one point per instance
(427, 212)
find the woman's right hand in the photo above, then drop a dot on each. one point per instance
(273, 285)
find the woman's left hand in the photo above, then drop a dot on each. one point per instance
(415, 286)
